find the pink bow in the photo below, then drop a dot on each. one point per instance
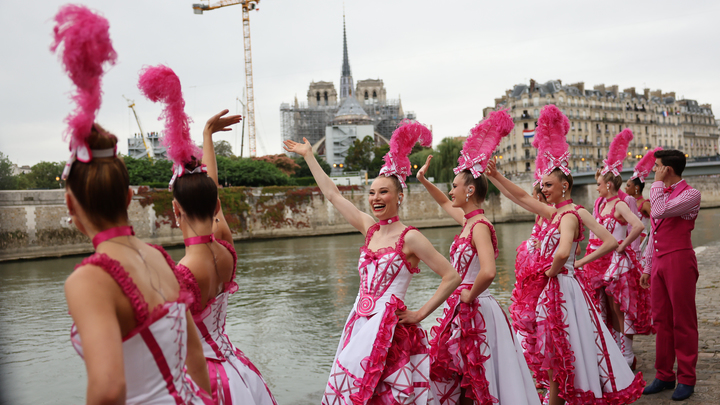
(84, 154)
(476, 165)
(614, 168)
(557, 163)
(640, 175)
(180, 170)
(392, 170)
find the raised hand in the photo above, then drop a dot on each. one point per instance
(421, 173)
(491, 169)
(660, 173)
(218, 123)
(302, 149)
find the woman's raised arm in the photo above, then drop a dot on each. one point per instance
(441, 198)
(360, 220)
(517, 194)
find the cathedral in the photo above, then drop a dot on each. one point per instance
(331, 123)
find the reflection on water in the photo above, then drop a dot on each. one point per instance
(294, 298)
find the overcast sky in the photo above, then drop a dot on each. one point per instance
(447, 62)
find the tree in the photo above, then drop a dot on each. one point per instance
(46, 174)
(250, 172)
(377, 162)
(142, 172)
(445, 160)
(360, 154)
(7, 180)
(223, 148)
(283, 162)
(304, 170)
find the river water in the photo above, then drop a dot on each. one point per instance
(294, 298)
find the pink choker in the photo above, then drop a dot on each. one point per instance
(615, 197)
(196, 240)
(473, 213)
(564, 203)
(101, 237)
(389, 220)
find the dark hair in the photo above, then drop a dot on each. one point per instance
(673, 158)
(101, 185)
(196, 193)
(563, 177)
(609, 176)
(639, 183)
(537, 189)
(481, 185)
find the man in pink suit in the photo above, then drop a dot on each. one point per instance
(671, 273)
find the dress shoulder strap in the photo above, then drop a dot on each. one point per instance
(581, 227)
(123, 279)
(368, 235)
(493, 236)
(231, 249)
(401, 240)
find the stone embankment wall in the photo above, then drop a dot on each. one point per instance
(33, 225)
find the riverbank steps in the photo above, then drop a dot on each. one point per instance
(707, 387)
(33, 222)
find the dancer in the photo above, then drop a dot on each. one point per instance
(572, 351)
(634, 187)
(475, 357)
(614, 279)
(129, 310)
(208, 268)
(670, 256)
(383, 351)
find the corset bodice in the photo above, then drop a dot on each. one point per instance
(550, 239)
(464, 256)
(383, 273)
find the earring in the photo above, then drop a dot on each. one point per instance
(608, 187)
(467, 197)
(399, 201)
(563, 192)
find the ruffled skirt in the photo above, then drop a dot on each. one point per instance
(474, 349)
(236, 380)
(380, 361)
(619, 276)
(574, 343)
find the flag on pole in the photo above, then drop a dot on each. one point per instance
(528, 133)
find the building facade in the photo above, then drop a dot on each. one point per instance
(596, 115)
(136, 147)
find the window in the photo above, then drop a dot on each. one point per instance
(536, 114)
(525, 125)
(374, 95)
(317, 96)
(525, 102)
(560, 99)
(536, 101)
(326, 98)
(366, 95)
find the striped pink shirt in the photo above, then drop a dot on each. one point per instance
(686, 205)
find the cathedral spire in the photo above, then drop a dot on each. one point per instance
(346, 81)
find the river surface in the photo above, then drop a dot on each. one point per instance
(294, 298)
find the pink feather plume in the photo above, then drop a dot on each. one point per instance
(86, 49)
(619, 146)
(540, 161)
(645, 165)
(161, 84)
(401, 143)
(486, 136)
(552, 128)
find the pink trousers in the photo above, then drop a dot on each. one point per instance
(672, 288)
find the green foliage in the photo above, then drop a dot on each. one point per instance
(444, 160)
(360, 154)
(145, 173)
(46, 175)
(377, 162)
(286, 164)
(250, 173)
(304, 170)
(223, 148)
(7, 180)
(24, 182)
(304, 181)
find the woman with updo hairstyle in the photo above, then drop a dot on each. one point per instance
(614, 279)
(571, 352)
(382, 355)
(474, 336)
(208, 268)
(129, 310)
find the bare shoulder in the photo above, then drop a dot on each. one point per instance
(89, 275)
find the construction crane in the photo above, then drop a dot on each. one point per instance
(247, 6)
(146, 143)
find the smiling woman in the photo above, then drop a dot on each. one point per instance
(382, 342)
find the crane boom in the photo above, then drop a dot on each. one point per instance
(149, 149)
(247, 6)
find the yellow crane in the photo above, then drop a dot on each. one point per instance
(148, 148)
(247, 6)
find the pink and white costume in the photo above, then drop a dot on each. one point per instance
(618, 275)
(234, 379)
(379, 360)
(154, 351)
(571, 338)
(474, 347)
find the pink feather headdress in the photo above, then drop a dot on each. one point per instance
(86, 49)
(645, 165)
(160, 83)
(552, 128)
(401, 143)
(540, 162)
(617, 152)
(480, 145)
